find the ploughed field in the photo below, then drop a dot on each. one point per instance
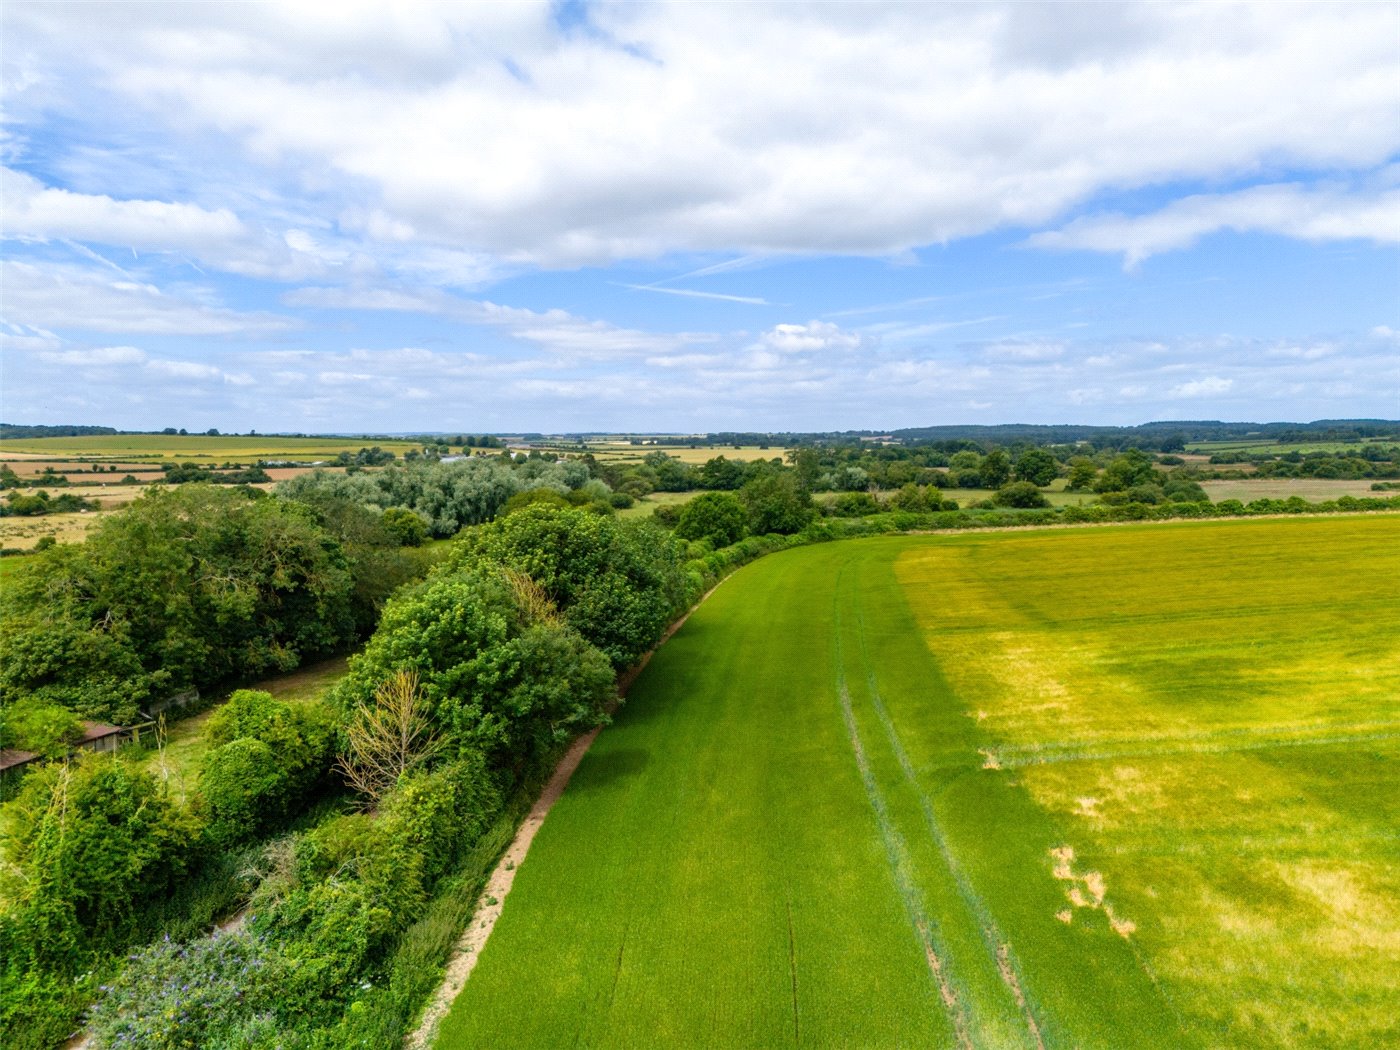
(1105, 787)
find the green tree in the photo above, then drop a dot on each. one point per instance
(776, 503)
(719, 517)
(995, 470)
(1037, 466)
(618, 583)
(1020, 494)
(1081, 474)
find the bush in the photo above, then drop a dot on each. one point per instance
(48, 730)
(719, 517)
(245, 790)
(618, 583)
(854, 505)
(205, 993)
(407, 528)
(266, 754)
(1020, 494)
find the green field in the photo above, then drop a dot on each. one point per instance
(1118, 787)
(230, 447)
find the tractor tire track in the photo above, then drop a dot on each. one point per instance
(997, 947)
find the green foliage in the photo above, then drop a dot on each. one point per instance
(48, 730)
(776, 503)
(88, 841)
(719, 517)
(534, 498)
(855, 505)
(493, 682)
(1082, 473)
(995, 470)
(618, 583)
(1021, 494)
(186, 587)
(174, 996)
(1125, 471)
(405, 527)
(265, 755)
(1037, 466)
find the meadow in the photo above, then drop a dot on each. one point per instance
(1130, 786)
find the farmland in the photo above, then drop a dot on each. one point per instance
(158, 447)
(1128, 786)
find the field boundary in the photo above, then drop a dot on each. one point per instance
(491, 903)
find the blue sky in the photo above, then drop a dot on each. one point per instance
(678, 217)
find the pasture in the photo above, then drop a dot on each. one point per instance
(1131, 786)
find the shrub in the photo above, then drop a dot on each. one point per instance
(718, 517)
(245, 790)
(1020, 494)
(205, 993)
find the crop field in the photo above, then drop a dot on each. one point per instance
(1313, 489)
(623, 452)
(1274, 448)
(22, 533)
(195, 447)
(1106, 787)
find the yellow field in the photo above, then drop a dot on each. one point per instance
(24, 533)
(1312, 489)
(194, 446)
(621, 451)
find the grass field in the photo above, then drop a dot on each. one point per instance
(1119, 787)
(646, 506)
(22, 533)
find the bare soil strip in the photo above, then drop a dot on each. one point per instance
(493, 898)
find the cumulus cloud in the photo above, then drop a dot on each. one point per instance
(35, 210)
(760, 128)
(1289, 210)
(809, 337)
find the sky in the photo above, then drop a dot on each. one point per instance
(509, 217)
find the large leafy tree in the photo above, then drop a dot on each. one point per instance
(715, 516)
(498, 674)
(618, 583)
(186, 587)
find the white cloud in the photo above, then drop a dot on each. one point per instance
(35, 210)
(1210, 386)
(765, 129)
(185, 370)
(103, 355)
(554, 330)
(807, 338)
(72, 297)
(1288, 209)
